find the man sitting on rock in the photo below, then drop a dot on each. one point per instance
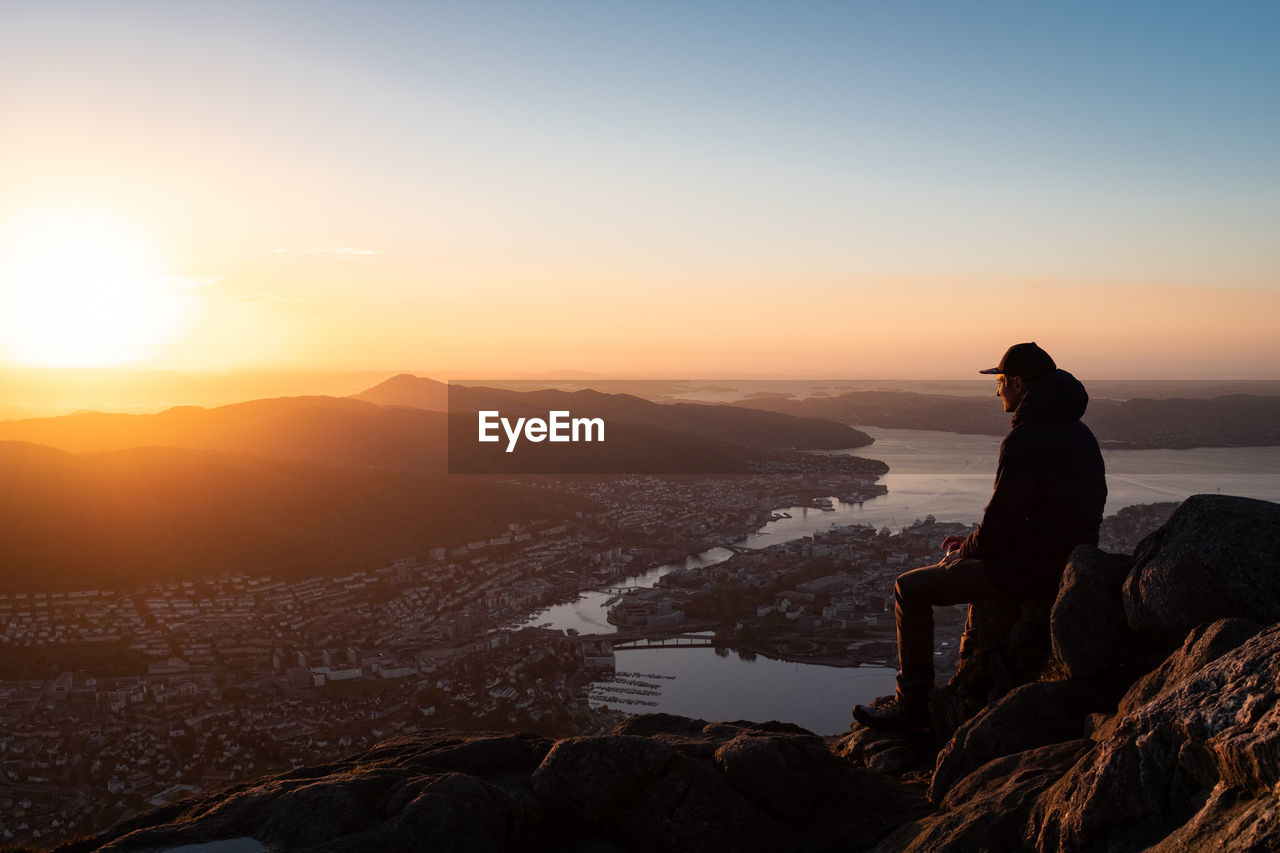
(1049, 496)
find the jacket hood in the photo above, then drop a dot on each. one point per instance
(1058, 397)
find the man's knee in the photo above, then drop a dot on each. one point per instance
(908, 586)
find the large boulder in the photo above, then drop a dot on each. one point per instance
(1216, 558)
(659, 723)
(989, 809)
(793, 776)
(1031, 716)
(1087, 625)
(380, 800)
(689, 736)
(690, 808)
(1204, 644)
(463, 812)
(600, 776)
(1183, 770)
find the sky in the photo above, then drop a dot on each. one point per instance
(654, 189)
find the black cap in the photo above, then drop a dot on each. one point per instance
(1025, 360)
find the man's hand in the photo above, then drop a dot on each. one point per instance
(951, 547)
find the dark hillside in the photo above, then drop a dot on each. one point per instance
(118, 518)
(327, 430)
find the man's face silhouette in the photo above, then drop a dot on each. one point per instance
(1010, 390)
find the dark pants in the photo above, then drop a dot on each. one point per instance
(915, 595)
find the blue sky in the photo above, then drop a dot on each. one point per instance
(853, 151)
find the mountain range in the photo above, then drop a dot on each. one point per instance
(301, 486)
(402, 423)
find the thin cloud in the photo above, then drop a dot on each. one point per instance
(222, 295)
(265, 299)
(343, 252)
(194, 280)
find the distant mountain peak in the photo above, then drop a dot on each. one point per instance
(405, 389)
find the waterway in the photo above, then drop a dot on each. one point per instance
(943, 474)
(950, 476)
(718, 684)
(586, 614)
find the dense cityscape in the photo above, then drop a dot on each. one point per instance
(114, 701)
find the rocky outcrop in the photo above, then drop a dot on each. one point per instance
(1169, 770)
(1076, 728)
(1204, 644)
(1216, 558)
(989, 809)
(1005, 644)
(1031, 716)
(600, 776)
(1087, 626)
(682, 785)
(1112, 750)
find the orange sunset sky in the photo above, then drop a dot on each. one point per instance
(678, 190)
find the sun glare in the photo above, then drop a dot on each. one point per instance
(82, 288)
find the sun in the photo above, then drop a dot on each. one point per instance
(82, 288)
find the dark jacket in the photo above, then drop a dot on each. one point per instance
(1049, 493)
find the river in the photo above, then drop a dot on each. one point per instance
(942, 474)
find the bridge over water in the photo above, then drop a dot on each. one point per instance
(615, 590)
(653, 640)
(668, 641)
(739, 549)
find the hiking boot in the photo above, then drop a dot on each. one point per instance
(894, 715)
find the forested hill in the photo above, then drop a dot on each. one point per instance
(72, 521)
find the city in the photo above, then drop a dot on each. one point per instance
(114, 701)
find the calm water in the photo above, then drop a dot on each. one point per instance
(587, 614)
(951, 475)
(939, 473)
(700, 683)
